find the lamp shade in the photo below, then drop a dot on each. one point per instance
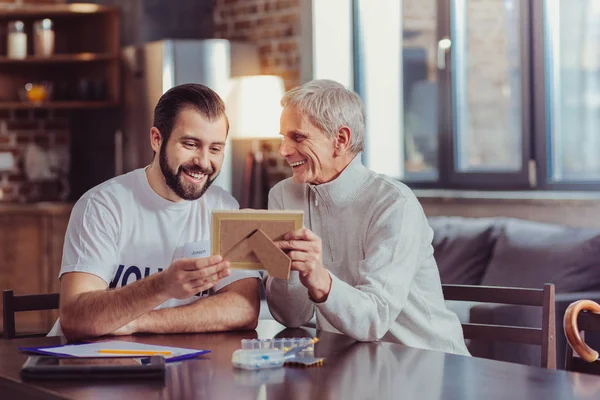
(253, 106)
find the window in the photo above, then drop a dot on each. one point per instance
(496, 94)
(570, 140)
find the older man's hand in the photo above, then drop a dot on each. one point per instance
(304, 248)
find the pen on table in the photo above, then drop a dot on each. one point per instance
(136, 352)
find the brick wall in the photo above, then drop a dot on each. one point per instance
(274, 25)
(19, 128)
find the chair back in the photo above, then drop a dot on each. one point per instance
(544, 298)
(580, 317)
(12, 304)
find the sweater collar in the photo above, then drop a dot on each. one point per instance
(346, 187)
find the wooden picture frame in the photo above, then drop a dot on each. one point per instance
(231, 230)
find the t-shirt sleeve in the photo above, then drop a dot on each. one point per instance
(229, 203)
(91, 240)
(236, 275)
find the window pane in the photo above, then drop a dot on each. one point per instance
(420, 89)
(487, 85)
(573, 88)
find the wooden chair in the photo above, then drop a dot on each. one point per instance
(580, 317)
(32, 302)
(544, 336)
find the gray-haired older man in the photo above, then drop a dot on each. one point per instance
(364, 260)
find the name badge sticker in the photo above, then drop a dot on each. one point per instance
(200, 249)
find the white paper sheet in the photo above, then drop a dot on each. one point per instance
(92, 350)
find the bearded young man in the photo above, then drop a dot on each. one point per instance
(364, 261)
(130, 254)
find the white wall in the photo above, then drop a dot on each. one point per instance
(380, 56)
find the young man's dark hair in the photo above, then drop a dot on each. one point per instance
(193, 95)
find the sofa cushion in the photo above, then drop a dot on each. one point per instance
(462, 247)
(529, 254)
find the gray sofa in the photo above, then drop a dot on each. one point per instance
(517, 253)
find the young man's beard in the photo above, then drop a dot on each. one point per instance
(175, 182)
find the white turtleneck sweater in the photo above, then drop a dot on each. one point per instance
(377, 249)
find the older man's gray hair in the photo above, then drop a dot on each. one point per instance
(329, 106)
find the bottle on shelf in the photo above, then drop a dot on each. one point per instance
(17, 40)
(43, 37)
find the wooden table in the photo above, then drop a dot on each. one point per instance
(352, 371)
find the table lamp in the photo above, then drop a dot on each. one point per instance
(253, 108)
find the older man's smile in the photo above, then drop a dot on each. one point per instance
(297, 164)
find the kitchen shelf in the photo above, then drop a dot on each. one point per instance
(60, 58)
(51, 11)
(86, 52)
(65, 105)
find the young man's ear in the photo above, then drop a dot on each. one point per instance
(155, 139)
(342, 141)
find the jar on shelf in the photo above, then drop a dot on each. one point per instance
(43, 37)
(17, 40)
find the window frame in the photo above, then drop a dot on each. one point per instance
(492, 180)
(542, 130)
(535, 110)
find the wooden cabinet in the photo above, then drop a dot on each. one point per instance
(31, 241)
(83, 71)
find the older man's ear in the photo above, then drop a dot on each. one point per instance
(342, 141)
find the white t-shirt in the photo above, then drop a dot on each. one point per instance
(122, 231)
